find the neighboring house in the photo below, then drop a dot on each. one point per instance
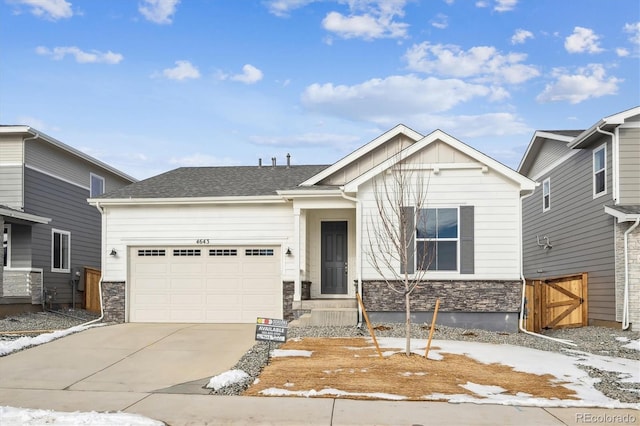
(49, 229)
(584, 216)
(229, 244)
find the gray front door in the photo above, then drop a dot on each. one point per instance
(334, 258)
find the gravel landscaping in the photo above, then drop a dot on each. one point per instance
(593, 340)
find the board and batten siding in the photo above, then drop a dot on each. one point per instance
(551, 151)
(69, 211)
(581, 233)
(182, 225)
(629, 172)
(496, 219)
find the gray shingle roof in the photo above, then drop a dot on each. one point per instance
(187, 182)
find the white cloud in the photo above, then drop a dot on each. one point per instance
(283, 7)
(520, 36)
(250, 75)
(396, 96)
(505, 5)
(587, 83)
(634, 31)
(482, 3)
(182, 71)
(482, 62)
(48, 9)
(582, 40)
(93, 57)
(441, 21)
(368, 19)
(158, 11)
(622, 52)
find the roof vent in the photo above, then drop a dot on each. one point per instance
(288, 160)
(259, 162)
(273, 161)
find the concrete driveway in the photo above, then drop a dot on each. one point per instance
(130, 358)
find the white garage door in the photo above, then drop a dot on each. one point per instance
(204, 284)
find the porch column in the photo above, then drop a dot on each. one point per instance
(298, 255)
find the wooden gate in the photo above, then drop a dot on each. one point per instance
(92, 289)
(556, 303)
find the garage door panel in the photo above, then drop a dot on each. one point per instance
(223, 285)
(223, 267)
(186, 284)
(226, 284)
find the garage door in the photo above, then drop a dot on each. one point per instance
(204, 284)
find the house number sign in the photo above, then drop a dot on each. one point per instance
(202, 241)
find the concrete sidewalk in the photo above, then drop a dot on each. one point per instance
(158, 370)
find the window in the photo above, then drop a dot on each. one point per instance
(151, 252)
(437, 239)
(6, 245)
(599, 171)
(546, 194)
(223, 252)
(186, 252)
(60, 250)
(258, 252)
(97, 185)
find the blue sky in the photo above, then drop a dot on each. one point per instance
(151, 85)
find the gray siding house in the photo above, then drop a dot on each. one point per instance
(584, 215)
(49, 229)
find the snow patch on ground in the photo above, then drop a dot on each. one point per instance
(9, 346)
(290, 352)
(227, 378)
(10, 416)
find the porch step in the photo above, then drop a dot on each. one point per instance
(325, 317)
(308, 305)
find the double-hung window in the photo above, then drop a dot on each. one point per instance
(599, 171)
(437, 239)
(6, 245)
(97, 185)
(60, 250)
(546, 194)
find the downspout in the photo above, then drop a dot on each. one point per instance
(103, 256)
(625, 303)
(524, 283)
(358, 249)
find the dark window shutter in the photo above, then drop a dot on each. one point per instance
(467, 259)
(409, 232)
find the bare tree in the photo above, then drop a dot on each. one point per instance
(400, 199)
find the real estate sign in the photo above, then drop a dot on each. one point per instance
(271, 330)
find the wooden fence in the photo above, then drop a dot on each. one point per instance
(92, 289)
(556, 303)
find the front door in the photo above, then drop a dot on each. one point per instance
(334, 258)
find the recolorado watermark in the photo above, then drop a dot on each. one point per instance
(615, 419)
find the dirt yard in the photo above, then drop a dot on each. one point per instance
(353, 366)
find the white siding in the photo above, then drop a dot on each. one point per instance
(10, 150)
(497, 224)
(247, 224)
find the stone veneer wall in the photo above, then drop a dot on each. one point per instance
(455, 296)
(288, 288)
(113, 301)
(634, 273)
(1, 255)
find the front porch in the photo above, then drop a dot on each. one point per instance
(325, 312)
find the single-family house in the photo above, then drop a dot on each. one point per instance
(230, 244)
(583, 218)
(50, 232)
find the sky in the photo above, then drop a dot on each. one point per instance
(151, 85)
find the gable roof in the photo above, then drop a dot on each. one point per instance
(438, 135)
(607, 124)
(215, 182)
(32, 133)
(540, 137)
(358, 153)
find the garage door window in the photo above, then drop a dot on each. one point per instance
(187, 252)
(258, 252)
(223, 252)
(151, 252)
